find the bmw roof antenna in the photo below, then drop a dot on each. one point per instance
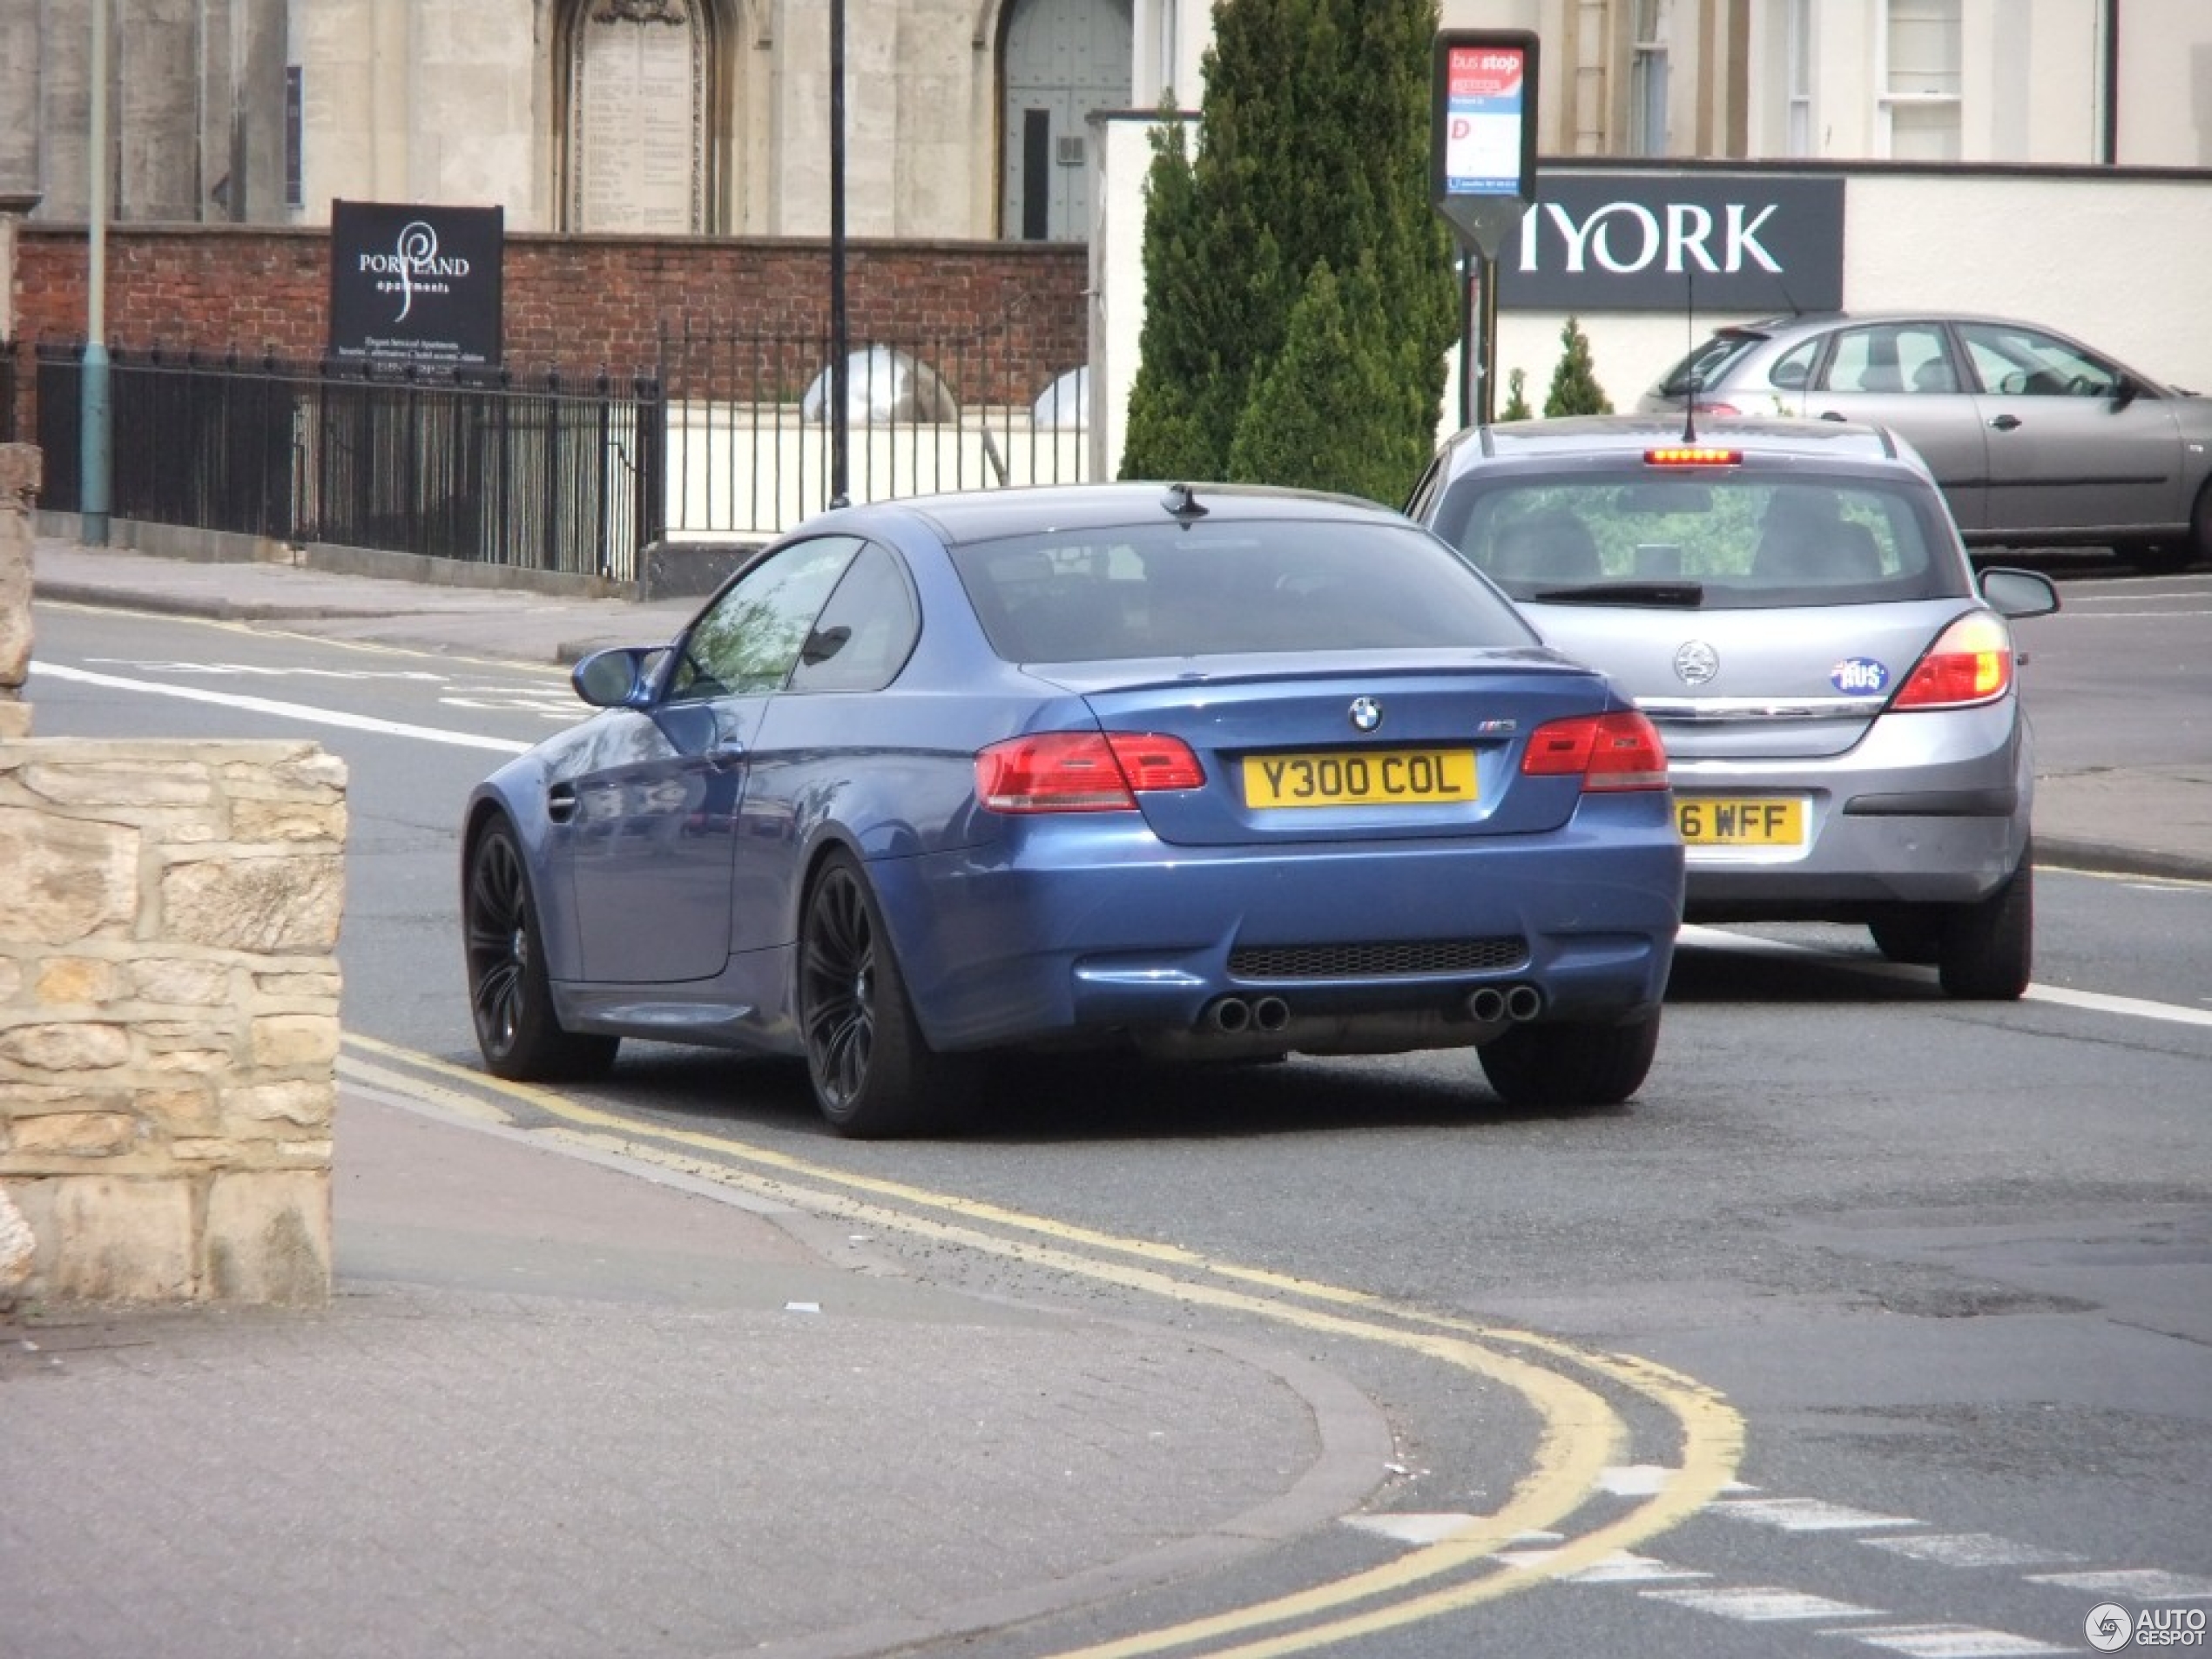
(1182, 503)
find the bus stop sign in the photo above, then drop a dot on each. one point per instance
(1482, 149)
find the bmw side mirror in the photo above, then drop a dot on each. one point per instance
(612, 679)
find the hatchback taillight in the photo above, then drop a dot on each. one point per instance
(1082, 771)
(1611, 752)
(1970, 662)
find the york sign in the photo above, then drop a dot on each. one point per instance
(1653, 242)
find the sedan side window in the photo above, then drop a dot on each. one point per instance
(748, 640)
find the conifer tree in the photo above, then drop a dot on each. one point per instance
(1516, 406)
(1574, 388)
(1312, 152)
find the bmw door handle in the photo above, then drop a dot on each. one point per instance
(726, 755)
(2005, 422)
(560, 803)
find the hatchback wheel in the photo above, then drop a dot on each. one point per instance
(510, 998)
(1988, 950)
(874, 1074)
(1570, 1062)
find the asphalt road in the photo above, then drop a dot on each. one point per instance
(1946, 1268)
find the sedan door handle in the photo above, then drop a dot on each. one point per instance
(1833, 414)
(2006, 422)
(560, 803)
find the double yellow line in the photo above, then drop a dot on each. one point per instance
(1581, 1431)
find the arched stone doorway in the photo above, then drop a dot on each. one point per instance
(1058, 61)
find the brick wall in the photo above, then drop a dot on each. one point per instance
(579, 304)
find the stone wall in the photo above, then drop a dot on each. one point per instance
(168, 1004)
(169, 1015)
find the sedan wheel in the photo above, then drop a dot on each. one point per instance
(509, 996)
(1570, 1063)
(873, 1074)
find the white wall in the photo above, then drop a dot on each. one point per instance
(2115, 259)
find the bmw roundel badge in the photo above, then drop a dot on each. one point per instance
(1365, 714)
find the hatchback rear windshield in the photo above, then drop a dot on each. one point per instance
(1706, 364)
(1169, 589)
(1717, 541)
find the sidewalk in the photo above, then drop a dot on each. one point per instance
(2142, 820)
(556, 1409)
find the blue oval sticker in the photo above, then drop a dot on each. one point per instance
(1859, 676)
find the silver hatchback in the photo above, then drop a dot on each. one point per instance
(1791, 603)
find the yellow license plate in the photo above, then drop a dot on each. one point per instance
(1756, 820)
(1362, 778)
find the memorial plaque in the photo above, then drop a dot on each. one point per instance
(638, 98)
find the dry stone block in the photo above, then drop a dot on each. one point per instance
(286, 1042)
(268, 1234)
(181, 980)
(68, 979)
(116, 1239)
(66, 1046)
(74, 1135)
(255, 903)
(70, 880)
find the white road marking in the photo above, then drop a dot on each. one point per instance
(2138, 1583)
(1946, 1640)
(1624, 1566)
(1806, 1515)
(1762, 1604)
(2095, 1002)
(258, 671)
(1970, 1549)
(284, 711)
(1421, 1530)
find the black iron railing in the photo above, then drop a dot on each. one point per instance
(544, 475)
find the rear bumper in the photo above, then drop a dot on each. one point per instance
(1109, 930)
(1927, 809)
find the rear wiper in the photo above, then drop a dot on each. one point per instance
(1683, 595)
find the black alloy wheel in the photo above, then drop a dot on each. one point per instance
(874, 1074)
(510, 999)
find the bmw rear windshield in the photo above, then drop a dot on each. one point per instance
(1227, 586)
(1722, 538)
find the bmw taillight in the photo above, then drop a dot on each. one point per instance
(1610, 752)
(1082, 771)
(1970, 662)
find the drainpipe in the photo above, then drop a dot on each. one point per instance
(2111, 135)
(94, 433)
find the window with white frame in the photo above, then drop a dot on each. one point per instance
(1921, 50)
(1647, 78)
